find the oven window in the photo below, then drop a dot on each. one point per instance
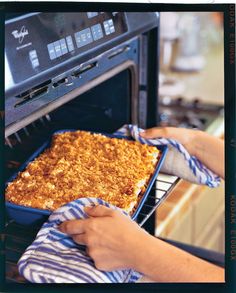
(103, 108)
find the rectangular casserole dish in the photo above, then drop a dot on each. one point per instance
(29, 216)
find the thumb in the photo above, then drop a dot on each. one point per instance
(98, 211)
(155, 132)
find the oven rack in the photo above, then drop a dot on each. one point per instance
(17, 237)
(164, 184)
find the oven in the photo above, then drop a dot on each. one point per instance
(91, 71)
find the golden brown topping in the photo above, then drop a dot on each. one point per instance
(80, 164)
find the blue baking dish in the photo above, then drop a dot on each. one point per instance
(29, 216)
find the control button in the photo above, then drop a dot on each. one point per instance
(106, 28)
(112, 29)
(109, 26)
(92, 14)
(57, 47)
(51, 51)
(70, 43)
(83, 37)
(35, 63)
(34, 58)
(33, 54)
(97, 32)
(63, 46)
(110, 22)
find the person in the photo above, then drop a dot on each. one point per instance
(114, 241)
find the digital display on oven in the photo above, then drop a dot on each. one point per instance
(92, 14)
(44, 40)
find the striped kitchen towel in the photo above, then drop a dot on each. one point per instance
(54, 257)
(178, 161)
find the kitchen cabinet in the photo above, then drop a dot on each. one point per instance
(196, 219)
(206, 207)
(183, 230)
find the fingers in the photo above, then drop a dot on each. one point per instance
(155, 132)
(77, 230)
(81, 239)
(73, 226)
(98, 211)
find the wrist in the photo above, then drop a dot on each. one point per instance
(191, 143)
(195, 145)
(187, 137)
(142, 253)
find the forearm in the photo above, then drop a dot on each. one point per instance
(162, 262)
(209, 150)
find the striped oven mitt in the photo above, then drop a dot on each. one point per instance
(54, 257)
(178, 161)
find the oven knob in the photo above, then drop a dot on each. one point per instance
(166, 100)
(196, 103)
(164, 116)
(68, 82)
(179, 101)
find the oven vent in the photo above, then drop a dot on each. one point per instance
(118, 52)
(85, 68)
(31, 130)
(59, 82)
(34, 93)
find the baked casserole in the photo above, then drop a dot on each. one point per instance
(83, 164)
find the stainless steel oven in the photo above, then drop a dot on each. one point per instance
(85, 70)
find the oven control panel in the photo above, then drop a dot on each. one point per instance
(39, 41)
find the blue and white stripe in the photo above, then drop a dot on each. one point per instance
(197, 173)
(55, 258)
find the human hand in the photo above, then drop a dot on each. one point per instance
(113, 240)
(207, 148)
(183, 135)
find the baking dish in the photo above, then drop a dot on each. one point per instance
(28, 216)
